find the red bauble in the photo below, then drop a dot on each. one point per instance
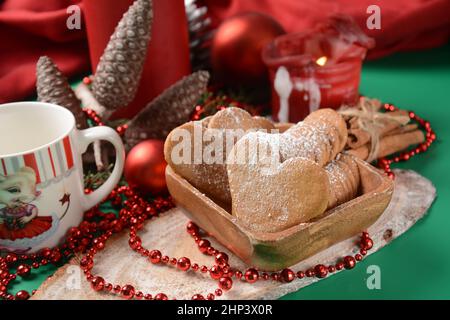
(237, 46)
(145, 167)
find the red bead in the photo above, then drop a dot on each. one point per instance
(363, 252)
(127, 292)
(349, 262)
(117, 289)
(210, 296)
(251, 275)
(148, 296)
(339, 266)
(331, 269)
(218, 292)
(366, 244)
(358, 257)
(225, 283)
(173, 261)
(22, 295)
(203, 245)
(221, 258)
(198, 297)
(98, 283)
(192, 228)
(215, 272)
(135, 243)
(320, 271)
(55, 257)
(300, 274)
(309, 273)
(238, 274)
(155, 256)
(184, 264)
(11, 258)
(87, 80)
(161, 296)
(23, 270)
(86, 263)
(287, 275)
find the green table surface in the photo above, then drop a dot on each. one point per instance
(417, 264)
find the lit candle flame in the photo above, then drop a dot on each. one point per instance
(321, 61)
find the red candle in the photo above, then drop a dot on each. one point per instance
(316, 68)
(168, 52)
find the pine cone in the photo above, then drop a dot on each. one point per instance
(119, 71)
(54, 88)
(169, 110)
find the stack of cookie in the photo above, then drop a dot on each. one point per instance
(270, 181)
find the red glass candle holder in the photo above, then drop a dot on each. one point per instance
(313, 69)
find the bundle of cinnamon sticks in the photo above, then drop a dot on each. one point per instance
(373, 134)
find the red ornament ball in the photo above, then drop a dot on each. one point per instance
(237, 45)
(145, 167)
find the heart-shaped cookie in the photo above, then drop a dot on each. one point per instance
(343, 174)
(237, 118)
(334, 126)
(197, 150)
(320, 137)
(271, 195)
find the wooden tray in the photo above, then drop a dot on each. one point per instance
(274, 251)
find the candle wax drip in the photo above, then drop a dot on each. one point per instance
(283, 86)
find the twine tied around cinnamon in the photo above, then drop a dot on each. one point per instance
(370, 120)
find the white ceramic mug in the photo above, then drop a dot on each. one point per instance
(41, 174)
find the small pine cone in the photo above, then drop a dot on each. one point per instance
(119, 71)
(169, 110)
(53, 87)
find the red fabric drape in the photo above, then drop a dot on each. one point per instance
(31, 28)
(405, 24)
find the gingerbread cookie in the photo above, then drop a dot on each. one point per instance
(320, 137)
(237, 118)
(307, 141)
(208, 173)
(334, 126)
(271, 195)
(343, 175)
(180, 153)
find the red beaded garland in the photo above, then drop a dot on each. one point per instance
(430, 135)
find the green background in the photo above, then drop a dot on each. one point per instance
(416, 265)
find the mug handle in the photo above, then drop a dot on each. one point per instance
(85, 138)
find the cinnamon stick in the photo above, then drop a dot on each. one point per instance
(390, 144)
(359, 137)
